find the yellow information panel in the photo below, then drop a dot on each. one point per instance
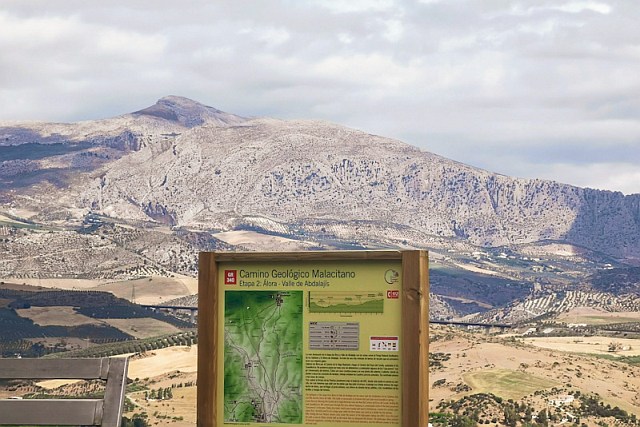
(309, 342)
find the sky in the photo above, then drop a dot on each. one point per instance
(529, 88)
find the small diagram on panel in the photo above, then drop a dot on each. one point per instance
(346, 302)
(383, 344)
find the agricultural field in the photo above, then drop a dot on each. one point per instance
(490, 375)
(144, 327)
(56, 315)
(262, 242)
(148, 290)
(177, 409)
(462, 365)
(163, 361)
(9, 220)
(506, 383)
(592, 316)
(68, 284)
(465, 364)
(151, 290)
(38, 321)
(588, 345)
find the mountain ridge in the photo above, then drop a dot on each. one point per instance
(140, 194)
(203, 168)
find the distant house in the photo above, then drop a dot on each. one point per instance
(562, 400)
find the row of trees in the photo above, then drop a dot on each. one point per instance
(135, 346)
(159, 394)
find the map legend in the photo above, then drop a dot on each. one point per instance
(334, 336)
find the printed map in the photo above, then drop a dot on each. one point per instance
(263, 357)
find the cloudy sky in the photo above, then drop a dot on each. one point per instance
(529, 88)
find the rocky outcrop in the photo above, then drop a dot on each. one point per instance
(311, 172)
(184, 164)
(188, 113)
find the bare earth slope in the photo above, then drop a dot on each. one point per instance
(183, 163)
(316, 174)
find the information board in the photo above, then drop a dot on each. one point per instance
(314, 338)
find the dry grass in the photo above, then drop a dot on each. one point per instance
(592, 316)
(51, 384)
(479, 270)
(9, 221)
(64, 284)
(586, 345)
(167, 412)
(505, 383)
(618, 384)
(143, 327)
(56, 315)
(262, 242)
(151, 290)
(159, 362)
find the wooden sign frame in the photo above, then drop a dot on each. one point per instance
(414, 323)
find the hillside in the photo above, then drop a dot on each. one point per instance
(102, 214)
(184, 164)
(140, 194)
(36, 321)
(321, 178)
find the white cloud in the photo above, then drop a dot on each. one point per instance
(624, 177)
(568, 7)
(127, 44)
(394, 30)
(269, 36)
(345, 38)
(375, 71)
(66, 34)
(35, 31)
(580, 6)
(352, 6)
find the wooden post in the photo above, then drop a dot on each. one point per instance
(207, 339)
(415, 339)
(115, 391)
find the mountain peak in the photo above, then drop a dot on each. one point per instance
(188, 112)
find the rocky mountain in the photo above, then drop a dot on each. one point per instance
(183, 168)
(188, 113)
(317, 174)
(194, 166)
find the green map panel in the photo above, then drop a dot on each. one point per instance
(263, 357)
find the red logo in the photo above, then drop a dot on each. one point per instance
(231, 277)
(392, 294)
